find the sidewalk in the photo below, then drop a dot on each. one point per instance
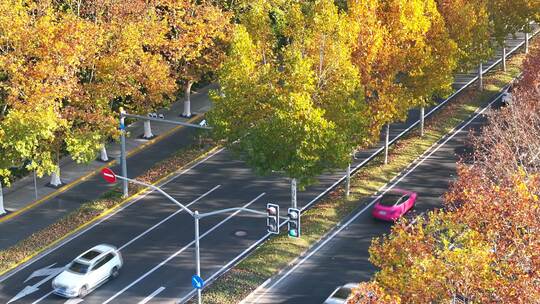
(27, 192)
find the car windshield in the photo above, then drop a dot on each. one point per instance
(342, 293)
(78, 267)
(392, 199)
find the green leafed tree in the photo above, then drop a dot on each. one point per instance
(290, 99)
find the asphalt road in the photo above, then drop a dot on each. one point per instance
(342, 257)
(156, 238)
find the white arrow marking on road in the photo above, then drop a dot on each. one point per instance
(41, 272)
(48, 272)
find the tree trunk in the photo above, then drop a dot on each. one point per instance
(187, 102)
(147, 130)
(293, 193)
(103, 154)
(55, 178)
(2, 210)
(4, 108)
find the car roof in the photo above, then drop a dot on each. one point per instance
(95, 253)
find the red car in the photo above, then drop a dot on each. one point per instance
(393, 204)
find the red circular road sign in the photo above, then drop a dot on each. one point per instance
(108, 175)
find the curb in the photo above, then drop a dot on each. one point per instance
(92, 173)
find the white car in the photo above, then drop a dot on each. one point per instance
(341, 294)
(88, 271)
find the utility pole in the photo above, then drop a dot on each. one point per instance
(125, 192)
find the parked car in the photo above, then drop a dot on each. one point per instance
(394, 204)
(88, 271)
(340, 294)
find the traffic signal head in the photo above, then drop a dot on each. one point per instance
(272, 219)
(294, 222)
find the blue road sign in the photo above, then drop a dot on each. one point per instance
(197, 281)
(122, 126)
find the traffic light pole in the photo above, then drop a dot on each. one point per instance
(123, 158)
(123, 153)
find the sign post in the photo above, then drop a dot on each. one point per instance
(197, 257)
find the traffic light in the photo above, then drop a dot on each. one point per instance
(272, 219)
(294, 222)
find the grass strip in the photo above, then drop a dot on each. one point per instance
(90, 212)
(279, 251)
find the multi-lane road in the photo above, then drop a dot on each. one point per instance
(342, 257)
(156, 238)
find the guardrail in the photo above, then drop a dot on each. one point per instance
(245, 253)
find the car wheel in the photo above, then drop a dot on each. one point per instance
(83, 292)
(114, 273)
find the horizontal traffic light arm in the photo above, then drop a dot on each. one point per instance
(234, 209)
(185, 124)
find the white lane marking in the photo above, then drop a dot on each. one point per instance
(73, 301)
(30, 289)
(69, 239)
(423, 157)
(41, 299)
(152, 295)
(167, 218)
(181, 250)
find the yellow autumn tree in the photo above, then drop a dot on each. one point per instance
(404, 55)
